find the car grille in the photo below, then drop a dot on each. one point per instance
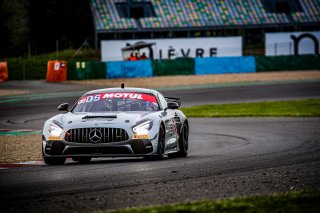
(96, 135)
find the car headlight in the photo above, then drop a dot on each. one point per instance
(142, 128)
(55, 130)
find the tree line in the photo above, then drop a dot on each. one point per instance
(32, 27)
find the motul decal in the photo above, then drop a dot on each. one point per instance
(124, 95)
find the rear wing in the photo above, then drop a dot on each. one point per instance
(171, 99)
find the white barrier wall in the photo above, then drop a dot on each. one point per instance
(294, 43)
(173, 48)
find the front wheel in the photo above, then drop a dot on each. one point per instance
(54, 161)
(161, 143)
(183, 142)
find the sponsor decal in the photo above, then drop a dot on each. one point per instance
(135, 136)
(175, 48)
(174, 128)
(54, 138)
(123, 95)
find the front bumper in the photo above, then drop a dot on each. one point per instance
(131, 147)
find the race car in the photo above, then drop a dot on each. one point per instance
(116, 122)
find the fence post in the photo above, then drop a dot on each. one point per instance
(57, 49)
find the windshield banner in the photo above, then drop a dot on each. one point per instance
(123, 95)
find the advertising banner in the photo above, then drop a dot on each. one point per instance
(295, 43)
(173, 48)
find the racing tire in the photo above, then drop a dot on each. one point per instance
(161, 143)
(183, 143)
(160, 149)
(83, 160)
(54, 161)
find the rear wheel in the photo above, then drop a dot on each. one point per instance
(54, 161)
(184, 141)
(82, 159)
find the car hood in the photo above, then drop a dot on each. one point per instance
(114, 119)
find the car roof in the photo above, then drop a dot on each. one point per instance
(126, 89)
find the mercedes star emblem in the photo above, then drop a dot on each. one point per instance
(95, 135)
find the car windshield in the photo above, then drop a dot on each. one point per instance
(117, 101)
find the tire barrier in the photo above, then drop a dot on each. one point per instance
(285, 63)
(30, 69)
(4, 74)
(129, 69)
(180, 66)
(57, 71)
(83, 70)
(220, 65)
(27, 68)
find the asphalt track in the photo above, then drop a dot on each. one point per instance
(31, 112)
(227, 157)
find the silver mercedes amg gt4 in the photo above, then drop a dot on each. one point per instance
(116, 122)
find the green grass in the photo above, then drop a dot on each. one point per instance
(292, 202)
(295, 108)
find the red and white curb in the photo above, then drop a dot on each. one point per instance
(27, 164)
(21, 164)
(19, 130)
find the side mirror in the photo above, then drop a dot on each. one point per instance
(63, 107)
(173, 105)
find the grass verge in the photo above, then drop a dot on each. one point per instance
(294, 108)
(301, 201)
